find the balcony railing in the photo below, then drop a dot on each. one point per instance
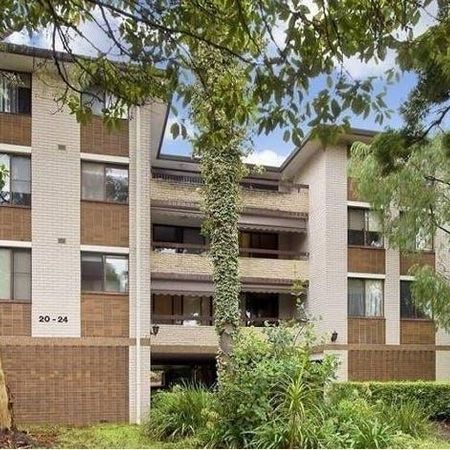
(196, 320)
(197, 249)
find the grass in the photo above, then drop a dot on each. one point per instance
(100, 436)
(130, 436)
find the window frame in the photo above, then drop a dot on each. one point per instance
(416, 315)
(365, 280)
(30, 80)
(12, 299)
(12, 202)
(103, 257)
(105, 166)
(366, 231)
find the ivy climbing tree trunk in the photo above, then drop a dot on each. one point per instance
(220, 145)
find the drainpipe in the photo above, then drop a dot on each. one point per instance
(137, 265)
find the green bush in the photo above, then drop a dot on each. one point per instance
(432, 397)
(178, 413)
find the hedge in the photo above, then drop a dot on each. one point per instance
(433, 397)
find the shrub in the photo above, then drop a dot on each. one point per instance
(433, 398)
(178, 413)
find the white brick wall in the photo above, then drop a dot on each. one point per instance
(392, 296)
(140, 248)
(326, 174)
(55, 214)
(443, 366)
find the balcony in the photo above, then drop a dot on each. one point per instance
(184, 191)
(191, 261)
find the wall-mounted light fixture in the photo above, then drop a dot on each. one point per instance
(155, 330)
(334, 336)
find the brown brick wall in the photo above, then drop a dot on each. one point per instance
(104, 224)
(366, 331)
(407, 261)
(15, 319)
(15, 223)
(104, 315)
(366, 260)
(67, 384)
(15, 129)
(385, 365)
(96, 137)
(414, 331)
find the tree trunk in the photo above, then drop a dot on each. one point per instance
(6, 416)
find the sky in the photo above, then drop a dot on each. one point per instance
(271, 150)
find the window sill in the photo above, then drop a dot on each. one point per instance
(12, 205)
(105, 202)
(15, 114)
(11, 300)
(117, 294)
(367, 247)
(412, 319)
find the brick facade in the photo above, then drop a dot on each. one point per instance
(414, 331)
(67, 384)
(15, 223)
(408, 261)
(104, 315)
(391, 364)
(366, 330)
(366, 260)
(104, 224)
(15, 129)
(96, 137)
(15, 319)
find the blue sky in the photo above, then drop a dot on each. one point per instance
(272, 150)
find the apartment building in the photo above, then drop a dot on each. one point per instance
(100, 248)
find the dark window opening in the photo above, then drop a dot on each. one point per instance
(364, 228)
(173, 239)
(408, 310)
(252, 244)
(15, 92)
(260, 308)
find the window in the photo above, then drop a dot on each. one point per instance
(182, 309)
(104, 273)
(364, 228)
(15, 274)
(408, 309)
(98, 100)
(185, 239)
(17, 185)
(15, 92)
(249, 240)
(365, 297)
(102, 182)
(260, 307)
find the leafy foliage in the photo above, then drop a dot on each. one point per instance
(178, 413)
(408, 187)
(433, 398)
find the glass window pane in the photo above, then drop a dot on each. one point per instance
(9, 98)
(91, 272)
(92, 180)
(373, 221)
(116, 184)
(356, 219)
(94, 99)
(21, 180)
(192, 306)
(406, 305)
(356, 297)
(424, 241)
(374, 298)
(116, 274)
(5, 274)
(164, 233)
